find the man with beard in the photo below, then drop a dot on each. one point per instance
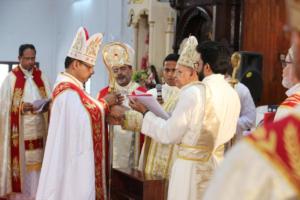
(126, 145)
(22, 129)
(194, 124)
(156, 158)
(273, 151)
(214, 61)
(290, 81)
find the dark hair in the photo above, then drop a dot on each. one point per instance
(171, 57)
(23, 47)
(155, 74)
(68, 61)
(216, 55)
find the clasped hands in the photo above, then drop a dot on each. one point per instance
(29, 108)
(116, 115)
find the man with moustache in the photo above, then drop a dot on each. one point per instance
(126, 145)
(22, 130)
(273, 151)
(74, 163)
(156, 158)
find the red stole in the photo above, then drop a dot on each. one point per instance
(279, 143)
(15, 121)
(102, 93)
(97, 134)
(291, 101)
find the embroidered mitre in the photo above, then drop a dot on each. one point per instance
(84, 48)
(189, 55)
(117, 54)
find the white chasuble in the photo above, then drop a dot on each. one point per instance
(68, 170)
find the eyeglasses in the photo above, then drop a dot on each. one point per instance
(86, 65)
(285, 63)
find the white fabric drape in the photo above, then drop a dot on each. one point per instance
(32, 126)
(249, 176)
(68, 170)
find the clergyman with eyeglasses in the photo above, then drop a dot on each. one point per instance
(291, 82)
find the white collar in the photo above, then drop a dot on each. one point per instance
(190, 84)
(166, 86)
(130, 86)
(26, 72)
(213, 77)
(293, 90)
(69, 78)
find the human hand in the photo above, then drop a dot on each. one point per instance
(118, 111)
(138, 106)
(113, 121)
(27, 107)
(114, 99)
(116, 115)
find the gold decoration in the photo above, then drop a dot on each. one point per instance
(235, 62)
(268, 144)
(292, 147)
(15, 169)
(189, 56)
(17, 99)
(42, 92)
(116, 54)
(84, 49)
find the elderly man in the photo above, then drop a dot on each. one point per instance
(22, 129)
(273, 152)
(194, 124)
(119, 57)
(74, 163)
(290, 81)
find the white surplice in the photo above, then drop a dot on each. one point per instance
(32, 126)
(68, 170)
(199, 130)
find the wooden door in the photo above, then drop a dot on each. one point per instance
(262, 31)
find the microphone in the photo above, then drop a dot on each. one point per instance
(159, 93)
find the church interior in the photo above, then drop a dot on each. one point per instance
(242, 25)
(257, 30)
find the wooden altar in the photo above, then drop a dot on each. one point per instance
(132, 184)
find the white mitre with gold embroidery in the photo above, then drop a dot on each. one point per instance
(117, 54)
(293, 10)
(84, 48)
(189, 55)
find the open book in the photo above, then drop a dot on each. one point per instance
(40, 104)
(151, 103)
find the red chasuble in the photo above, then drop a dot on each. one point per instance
(97, 134)
(279, 143)
(15, 121)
